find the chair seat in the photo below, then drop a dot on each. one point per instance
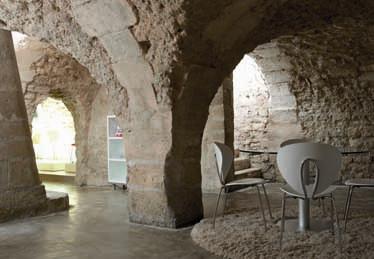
(309, 190)
(246, 182)
(363, 182)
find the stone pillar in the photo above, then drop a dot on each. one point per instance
(218, 128)
(20, 190)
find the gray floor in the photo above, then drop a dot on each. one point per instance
(97, 227)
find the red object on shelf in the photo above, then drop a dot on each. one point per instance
(119, 132)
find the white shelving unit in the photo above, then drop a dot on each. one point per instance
(117, 165)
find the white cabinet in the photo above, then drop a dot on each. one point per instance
(117, 166)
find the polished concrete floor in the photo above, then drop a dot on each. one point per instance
(97, 227)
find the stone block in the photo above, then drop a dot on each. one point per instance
(283, 101)
(22, 172)
(134, 73)
(15, 148)
(4, 180)
(11, 107)
(121, 46)
(98, 17)
(275, 77)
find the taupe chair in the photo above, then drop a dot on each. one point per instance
(224, 160)
(291, 160)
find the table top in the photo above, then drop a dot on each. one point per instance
(344, 151)
(360, 182)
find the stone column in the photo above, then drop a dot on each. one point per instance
(219, 127)
(20, 190)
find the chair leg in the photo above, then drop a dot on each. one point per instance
(337, 224)
(267, 201)
(323, 207)
(224, 202)
(332, 217)
(215, 212)
(261, 206)
(347, 206)
(282, 219)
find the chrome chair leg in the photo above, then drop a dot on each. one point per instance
(267, 201)
(224, 202)
(215, 212)
(332, 216)
(337, 224)
(347, 206)
(323, 207)
(261, 206)
(282, 220)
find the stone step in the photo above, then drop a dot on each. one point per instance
(249, 172)
(241, 163)
(58, 176)
(57, 201)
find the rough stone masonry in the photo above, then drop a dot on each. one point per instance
(21, 193)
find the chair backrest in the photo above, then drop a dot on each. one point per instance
(292, 158)
(224, 159)
(293, 141)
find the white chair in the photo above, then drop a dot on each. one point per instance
(291, 160)
(224, 160)
(293, 141)
(304, 140)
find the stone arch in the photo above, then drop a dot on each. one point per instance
(221, 36)
(318, 84)
(98, 35)
(46, 72)
(185, 50)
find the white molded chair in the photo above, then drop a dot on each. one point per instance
(293, 141)
(291, 160)
(224, 160)
(303, 140)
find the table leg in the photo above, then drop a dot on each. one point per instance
(304, 205)
(304, 215)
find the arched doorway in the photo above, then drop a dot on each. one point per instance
(53, 136)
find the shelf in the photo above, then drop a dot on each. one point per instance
(117, 159)
(112, 138)
(117, 164)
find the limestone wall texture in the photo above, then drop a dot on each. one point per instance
(219, 128)
(20, 189)
(46, 72)
(162, 63)
(332, 80)
(251, 105)
(320, 87)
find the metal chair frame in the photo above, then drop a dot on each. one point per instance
(225, 187)
(348, 201)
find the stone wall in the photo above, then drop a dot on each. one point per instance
(251, 105)
(46, 72)
(219, 128)
(20, 189)
(332, 80)
(320, 87)
(162, 63)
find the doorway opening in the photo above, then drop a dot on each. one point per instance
(53, 136)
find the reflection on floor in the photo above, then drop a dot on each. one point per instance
(95, 227)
